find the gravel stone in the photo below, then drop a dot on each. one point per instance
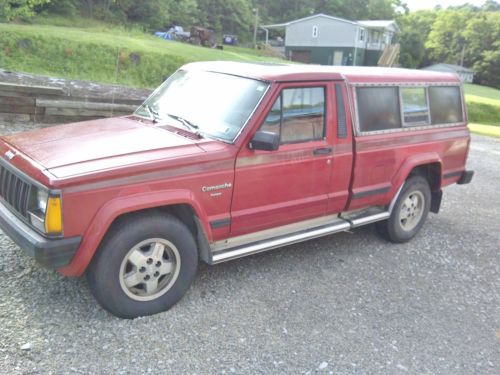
(26, 346)
(351, 301)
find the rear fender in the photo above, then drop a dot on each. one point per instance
(122, 205)
(413, 162)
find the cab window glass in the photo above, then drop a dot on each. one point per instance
(298, 115)
(445, 105)
(378, 108)
(415, 107)
(273, 120)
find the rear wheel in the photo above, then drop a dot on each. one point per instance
(144, 266)
(409, 212)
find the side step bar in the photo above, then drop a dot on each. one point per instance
(253, 244)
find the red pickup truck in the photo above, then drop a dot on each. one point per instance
(231, 159)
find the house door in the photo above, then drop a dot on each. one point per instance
(337, 57)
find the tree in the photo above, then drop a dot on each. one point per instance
(184, 12)
(227, 16)
(151, 13)
(446, 41)
(482, 38)
(19, 9)
(491, 6)
(382, 9)
(415, 28)
(412, 51)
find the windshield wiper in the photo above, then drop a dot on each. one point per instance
(154, 115)
(188, 124)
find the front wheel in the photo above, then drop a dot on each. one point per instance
(409, 212)
(144, 265)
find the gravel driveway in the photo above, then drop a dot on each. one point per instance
(348, 303)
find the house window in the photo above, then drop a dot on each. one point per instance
(361, 35)
(315, 32)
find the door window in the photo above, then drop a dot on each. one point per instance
(298, 115)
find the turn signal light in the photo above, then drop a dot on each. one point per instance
(53, 216)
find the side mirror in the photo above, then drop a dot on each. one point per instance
(265, 141)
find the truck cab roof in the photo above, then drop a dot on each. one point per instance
(299, 72)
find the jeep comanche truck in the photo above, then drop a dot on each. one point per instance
(230, 159)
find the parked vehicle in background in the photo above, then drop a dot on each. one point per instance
(226, 160)
(174, 33)
(203, 37)
(231, 40)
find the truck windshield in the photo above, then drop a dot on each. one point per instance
(211, 104)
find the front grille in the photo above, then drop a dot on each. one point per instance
(15, 191)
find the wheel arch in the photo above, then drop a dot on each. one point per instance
(179, 203)
(430, 167)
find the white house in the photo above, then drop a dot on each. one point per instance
(327, 40)
(465, 74)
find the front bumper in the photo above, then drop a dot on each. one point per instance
(51, 253)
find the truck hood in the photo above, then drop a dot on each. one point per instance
(101, 144)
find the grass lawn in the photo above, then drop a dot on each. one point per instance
(490, 130)
(483, 104)
(105, 54)
(482, 94)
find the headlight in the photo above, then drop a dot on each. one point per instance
(42, 196)
(45, 211)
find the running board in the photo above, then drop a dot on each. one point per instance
(368, 216)
(254, 243)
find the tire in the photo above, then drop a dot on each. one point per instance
(409, 212)
(144, 266)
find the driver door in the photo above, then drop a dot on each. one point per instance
(274, 188)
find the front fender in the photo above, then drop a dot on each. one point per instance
(122, 205)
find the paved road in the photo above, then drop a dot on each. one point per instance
(348, 303)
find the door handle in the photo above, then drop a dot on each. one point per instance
(323, 151)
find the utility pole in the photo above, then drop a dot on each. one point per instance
(255, 26)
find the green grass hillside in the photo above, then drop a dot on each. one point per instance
(482, 94)
(483, 104)
(102, 54)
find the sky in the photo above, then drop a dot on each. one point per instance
(430, 4)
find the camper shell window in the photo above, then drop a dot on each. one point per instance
(393, 107)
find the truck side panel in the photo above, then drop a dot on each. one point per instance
(383, 161)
